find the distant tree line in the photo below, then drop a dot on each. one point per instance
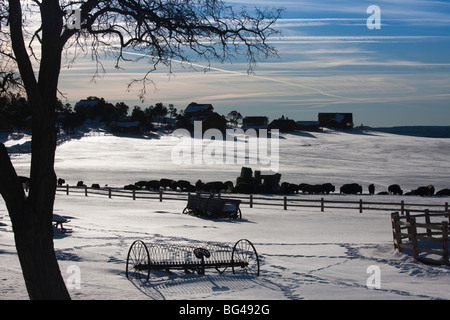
(15, 112)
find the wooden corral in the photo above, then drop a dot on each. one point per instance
(426, 235)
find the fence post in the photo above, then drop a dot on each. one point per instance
(402, 207)
(285, 203)
(396, 232)
(109, 193)
(251, 201)
(360, 206)
(413, 233)
(446, 207)
(322, 205)
(134, 194)
(85, 191)
(445, 241)
(428, 221)
(67, 190)
(160, 196)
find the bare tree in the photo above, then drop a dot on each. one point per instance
(34, 36)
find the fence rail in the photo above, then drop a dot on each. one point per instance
(428, 240)
(252, 201)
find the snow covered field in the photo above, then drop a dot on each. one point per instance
(304, 253)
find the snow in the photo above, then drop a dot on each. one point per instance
(304, 253)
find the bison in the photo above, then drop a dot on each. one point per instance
(289, 188)
(214, 187)
(327, 188)
(166, 183)
(141, 184)
(198, 185)
(61, 182)
(80, 184)
(95, 186)
(245, 188)
(303, 186)
(424, 191)
(395, 189)
(131, 187)
(153, 185)
(443, 192)
(313, 189)
(372, 189)
(184, 185)
(351, 188)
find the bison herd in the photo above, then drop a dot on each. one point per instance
(283, 188)
(182, 185)
(266, 184)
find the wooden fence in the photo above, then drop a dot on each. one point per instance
(426, 235)
(285, 202)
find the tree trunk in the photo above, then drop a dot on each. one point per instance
(32, 217)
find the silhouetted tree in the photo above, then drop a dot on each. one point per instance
(162, 30)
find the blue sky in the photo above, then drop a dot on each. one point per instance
(329, 61)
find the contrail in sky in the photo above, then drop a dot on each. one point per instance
(321, 92)
(250, 75)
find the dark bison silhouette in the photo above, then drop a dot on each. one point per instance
(141, 184)
(327, 188)
(427, 191)
(61, 182)
(214, 187)
(372, 189)
(183, 184)
(316, 188)
(80, 184)
(166, 183)
(289, 188)
(131, 187)
(443, 192)
(395, 189)
(153, 185)
(245, 188)
(351, 188)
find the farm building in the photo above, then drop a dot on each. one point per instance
(203, 113)
(284, 125)
(336, 120)
(126, 127)
(197, 109)
(256, 123)
(308, 125)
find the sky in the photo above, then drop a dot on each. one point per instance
(330, 59)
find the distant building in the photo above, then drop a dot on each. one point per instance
(255, 122)
(308, 125)
(196, 109)
(283, 125)
(86, 104)
(203, 113)
(126, 127)
(336, 120)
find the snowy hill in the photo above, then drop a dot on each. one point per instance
(305, 253)
(417, 131)
(330, 156)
